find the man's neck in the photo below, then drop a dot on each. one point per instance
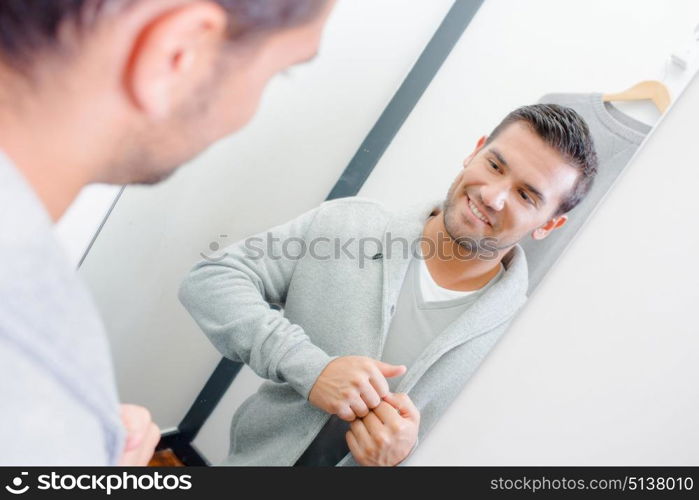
(40, 140)
(55, 185)
(447, 262)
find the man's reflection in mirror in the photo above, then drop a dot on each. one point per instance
(375, 341)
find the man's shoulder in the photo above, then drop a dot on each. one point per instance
(363, 216)
(353, 210)
(53, 344)
(357, 203)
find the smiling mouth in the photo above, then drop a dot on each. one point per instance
(477, 213)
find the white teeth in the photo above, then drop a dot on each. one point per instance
(478, 213)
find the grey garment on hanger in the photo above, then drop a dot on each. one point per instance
(617, 136)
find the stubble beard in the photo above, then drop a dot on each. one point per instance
(144, 159)
(468, 242)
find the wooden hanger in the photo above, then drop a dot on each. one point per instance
(650, 89)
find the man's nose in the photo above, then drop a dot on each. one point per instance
(494, 196)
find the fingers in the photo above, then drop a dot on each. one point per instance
(152, 437)
(353, 445)
(134, 416)
(386, 413)
(373, 423)
(359, 407)
(136, 421)
(345, 412)
(370, 395)
(361, 433)
(379, 383)
(141, 455)
(400, 400)
(405, 406)
(388, 370)
(351, 386)
(142, 435)
(149, 443)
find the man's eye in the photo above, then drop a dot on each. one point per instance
(494, 165)
(526, 197)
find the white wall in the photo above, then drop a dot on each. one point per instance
(78, 226)
(551, 392)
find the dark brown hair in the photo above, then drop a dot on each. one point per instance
(28, 27)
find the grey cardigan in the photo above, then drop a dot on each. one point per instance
(333, 307)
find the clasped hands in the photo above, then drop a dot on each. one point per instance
(383, 425)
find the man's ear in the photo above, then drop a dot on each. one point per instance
(173, 53)
(479, 146)
(543, 231)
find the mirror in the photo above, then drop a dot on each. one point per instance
(325, 116)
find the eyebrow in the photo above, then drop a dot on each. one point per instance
(503, 162)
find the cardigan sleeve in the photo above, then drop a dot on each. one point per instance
(230, 301)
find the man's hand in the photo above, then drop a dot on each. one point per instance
(352, 385)
(387, 434)
(142, 436)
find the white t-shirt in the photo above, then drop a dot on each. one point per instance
(432, 292)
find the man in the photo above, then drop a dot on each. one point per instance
(114, 91)
(358, 311)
